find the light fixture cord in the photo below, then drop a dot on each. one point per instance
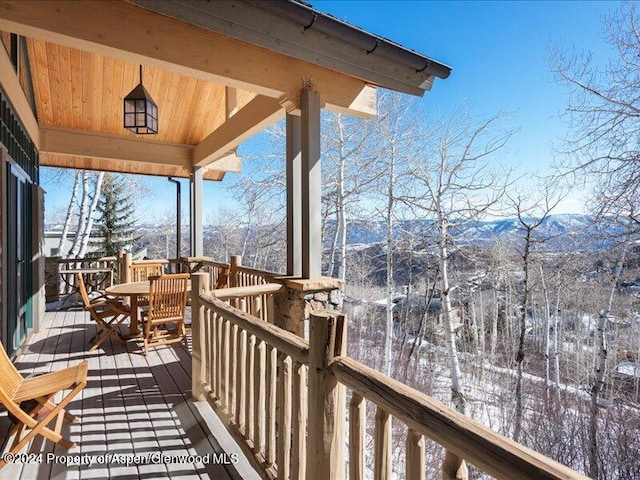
(140, 74)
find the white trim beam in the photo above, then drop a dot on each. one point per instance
(255, 116)
(231, 162)
(98, 145)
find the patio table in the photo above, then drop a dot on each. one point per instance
(95, 278)
(133, 290)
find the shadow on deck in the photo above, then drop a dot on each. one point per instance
(134, 408)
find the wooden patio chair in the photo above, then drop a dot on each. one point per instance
(29, 402)
(167, 303)
(106, 312)
(141, 272)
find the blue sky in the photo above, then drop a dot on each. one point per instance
(499, 52)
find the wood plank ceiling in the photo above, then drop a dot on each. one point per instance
(80, 90)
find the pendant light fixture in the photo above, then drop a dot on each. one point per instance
(140, 111)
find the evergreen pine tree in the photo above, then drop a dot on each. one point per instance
(115, 227)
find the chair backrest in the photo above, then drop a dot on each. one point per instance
(142, 271)
(10, 378)
(82, 289)
(168, 296)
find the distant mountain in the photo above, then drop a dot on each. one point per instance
(563, 231)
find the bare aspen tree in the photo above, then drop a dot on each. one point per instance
(348, 172)
(395, 135)
(531, 214)
(86, 234)
(603, 112)
(453, 184)
(69, 217)
(556, 334)
(603, 147)
(546, 321)
(600, 365)
(82, 215)
(260, 219)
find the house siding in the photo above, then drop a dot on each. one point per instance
(20, 222)
(3, 250)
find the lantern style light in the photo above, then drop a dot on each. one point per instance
(140, 111)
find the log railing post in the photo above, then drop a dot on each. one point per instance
(199, 285)
(325, 446)
(382, 446)
(126, 275)
(415, 468)
(234, 263)
(454, 467)
(357, 433)
(119, 265)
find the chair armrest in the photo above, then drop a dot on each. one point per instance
(118, 306)
(97, 302)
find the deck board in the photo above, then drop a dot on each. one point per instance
(132, 405)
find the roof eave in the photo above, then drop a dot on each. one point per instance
(299, 31)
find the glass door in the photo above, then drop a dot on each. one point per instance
(18, 226)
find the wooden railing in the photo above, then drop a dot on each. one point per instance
(245, 276)
(246, 367)
(284, 399)
(60, 280)
(254, 300)
(218, 272)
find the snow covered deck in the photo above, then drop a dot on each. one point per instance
(132, 406)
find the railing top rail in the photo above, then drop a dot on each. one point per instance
(150, 261)
(255, 271)
(240, 292)
(203, 260)
(493, 453)
(284, 341)
(84, 259)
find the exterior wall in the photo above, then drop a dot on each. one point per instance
(21, 266)
(3, 250)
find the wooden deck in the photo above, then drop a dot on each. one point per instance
(132, 405)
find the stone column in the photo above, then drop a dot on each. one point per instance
(51, 279)
(294, 305)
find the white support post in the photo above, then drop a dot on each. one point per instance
(311, 185)
(294, 200)
(195, 193)
(37, 242)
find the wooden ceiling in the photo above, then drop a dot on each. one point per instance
(84, 91)
(212, 91)
(80, 90)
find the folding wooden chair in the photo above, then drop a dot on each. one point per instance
(143, 271)
(167, 302)
(107, 313)
(16, 390)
